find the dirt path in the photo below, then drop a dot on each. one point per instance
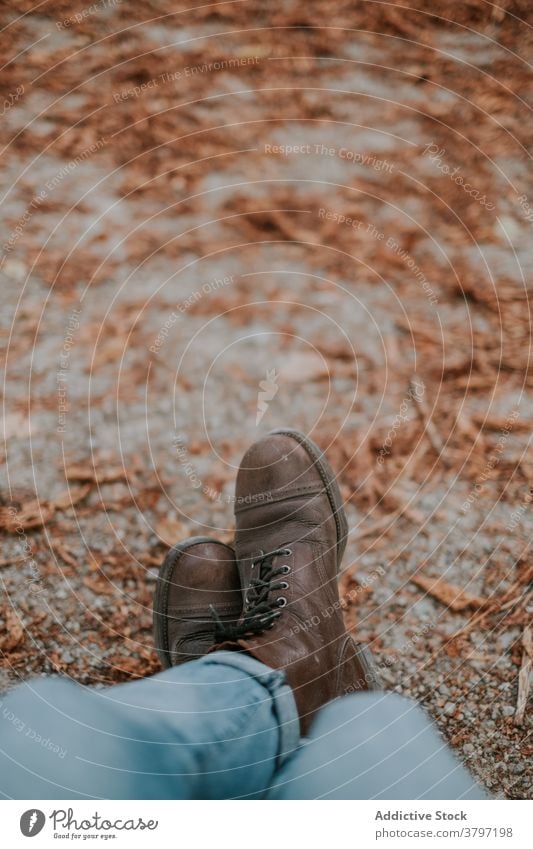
(326, 210)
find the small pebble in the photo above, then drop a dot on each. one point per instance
(517, 769)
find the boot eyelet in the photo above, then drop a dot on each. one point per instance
(285, 569)
(287, 552)
(284, 585)
(282, 601)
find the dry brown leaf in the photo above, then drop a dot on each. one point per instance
(14, 632)
(12, 561)
(99, 585)
(70, 497)
(64, 553)
(524, 675)
(31, 515)
(34, 513)
(130, 665)
(449, 594)
(90, 473)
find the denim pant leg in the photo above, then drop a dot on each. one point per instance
(214, 728)
(373, 745)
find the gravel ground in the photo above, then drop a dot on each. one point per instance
(202, 206)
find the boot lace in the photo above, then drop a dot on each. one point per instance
(260, 610)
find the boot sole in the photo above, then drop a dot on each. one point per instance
(330, 482)
(160, 615)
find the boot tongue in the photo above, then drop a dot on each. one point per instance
(247, 568)
(251, 565)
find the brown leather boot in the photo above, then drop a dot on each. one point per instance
(196, 574)
(291, 535)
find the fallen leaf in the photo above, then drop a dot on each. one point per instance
(99, 585)
(12, 561)
(70, 497)
(63, 552)
(449, 594)
(35, 513)
(524, 675)
(14, 632)
(90, 473)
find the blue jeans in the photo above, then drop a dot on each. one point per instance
(222, 727)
